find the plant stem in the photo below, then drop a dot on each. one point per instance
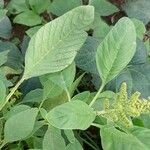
(96, 125)
(2, 145)
(11, 93)
(68, 95)
(97, 95)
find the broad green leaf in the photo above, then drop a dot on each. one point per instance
(3, 57)
(2, 92)
(74, 146)
(61, 38)
(14, 58)
(15, 110)
(104, 7)
(53, 140)
(59, 7)
(64, 78)
(116, 51)
(33, 96)
(5, 28)
(20, 126)
(17, 6)
(71, 115)
(113, 139)
(138, 9)
(28, 18)
(85, 58)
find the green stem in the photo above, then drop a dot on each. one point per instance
(3, 144)
(11, 93)
(96, 125)
(97, 95)
(68, 94)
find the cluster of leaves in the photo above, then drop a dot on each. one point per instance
(41, 106)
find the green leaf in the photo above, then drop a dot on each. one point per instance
(15, 6)
(50, 89)
(113, 139)
(64, 78)
(138, 9)
(53, 139)
(32, 31)
(5, 28)
(85, 58)
(116, 51)
(61, 38)
(2, 92)
(3, 57)
(101, 29)
(14, 59)
(20, 126)
(1, 3)
(140, 28)
(74, 146)
(34, 96)
(2, 13)
(84, 96)
(39, 6)
(15, 110)
(75, 84)
(141, 54)
(70, 135)
(103, 7)
(71, 115)
(28, 18)
(59, 7)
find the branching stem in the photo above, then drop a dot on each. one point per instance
(97, 95)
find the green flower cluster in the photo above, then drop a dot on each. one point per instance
(123, 109)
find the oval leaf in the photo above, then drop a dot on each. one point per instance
(55, 45)
(71, 115)
(116, 50)
(20, 126)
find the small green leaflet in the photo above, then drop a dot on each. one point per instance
(104, 7)
(39, 6)
(116, 51)
(28, 18)
(59, 7)
(71, 115)
(55, 45)
(20, 126)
